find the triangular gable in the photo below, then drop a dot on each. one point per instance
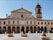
(21, 10)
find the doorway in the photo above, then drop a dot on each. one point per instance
(9, 29)
(22, 29)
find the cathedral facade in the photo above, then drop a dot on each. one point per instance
(22, 20)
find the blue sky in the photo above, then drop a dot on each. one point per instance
(6, 6)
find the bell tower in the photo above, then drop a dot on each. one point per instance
(38, 12)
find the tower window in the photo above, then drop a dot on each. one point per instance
(39, 10)
(45, 29)
(21, 16)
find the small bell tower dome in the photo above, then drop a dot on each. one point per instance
(38, 11)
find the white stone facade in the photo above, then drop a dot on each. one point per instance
(23, 20)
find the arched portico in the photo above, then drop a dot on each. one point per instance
(9, 29)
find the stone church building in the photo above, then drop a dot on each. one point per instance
(22, 20)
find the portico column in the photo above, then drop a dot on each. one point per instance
(2, 29)
(33, 28)
(6, 28)
(29, 28)
(11, 29)
(24, 28)
(15, 28)
(20, 29)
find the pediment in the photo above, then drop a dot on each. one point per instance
(21, 10)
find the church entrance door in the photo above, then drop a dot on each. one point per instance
(22, 29)
(9, 29)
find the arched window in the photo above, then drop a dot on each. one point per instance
(41, 23)
(9, 29)
(0, 30)
(45, 23)
(27, 29)
(31, 29)
(38, 23)
(0, 22)
(41, 28)
(38, 29)
(45, 29)
(34, 29)
(39, 11)
(21, 16)
(4, 29)
(4, 22)
(51, 23)
(13, 22)
(13, 29)
(18, 29)
(22, 29)
(51, 31)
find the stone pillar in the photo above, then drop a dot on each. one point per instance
(33, 28)
(11, 29)
(2, 29)
(15, 28)
(37, 29)
(6, 28)
(29, 28)
(24, 28)
(20, 29)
